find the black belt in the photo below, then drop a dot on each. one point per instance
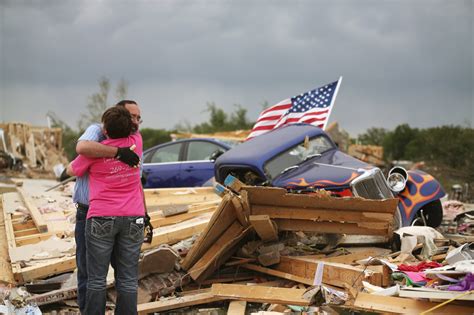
(82, 206)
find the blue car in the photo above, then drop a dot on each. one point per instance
(301, 157)
(182, 163)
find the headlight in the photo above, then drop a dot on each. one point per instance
(397, 179)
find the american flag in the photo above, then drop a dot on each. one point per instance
(312, 107)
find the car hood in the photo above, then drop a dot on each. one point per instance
(332, 170)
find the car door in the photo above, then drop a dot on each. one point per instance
(161, 167)
(197, 168)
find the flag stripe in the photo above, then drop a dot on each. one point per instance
(312, 107)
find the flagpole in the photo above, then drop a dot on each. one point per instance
(332, 101)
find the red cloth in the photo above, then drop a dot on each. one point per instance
(420, 267)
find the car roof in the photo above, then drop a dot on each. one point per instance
(213, 140)
(258, 150)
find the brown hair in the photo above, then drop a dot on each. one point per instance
(117, 122)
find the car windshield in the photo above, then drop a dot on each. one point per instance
(294, 156)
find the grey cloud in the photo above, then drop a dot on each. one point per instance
(397, 57)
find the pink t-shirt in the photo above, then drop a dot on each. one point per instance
(114, 187)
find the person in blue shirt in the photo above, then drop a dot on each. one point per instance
(89, 145)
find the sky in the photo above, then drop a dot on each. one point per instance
(401, 61)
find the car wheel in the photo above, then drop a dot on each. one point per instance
(430, 214)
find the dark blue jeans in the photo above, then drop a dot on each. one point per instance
(120, 237)
(81, 259)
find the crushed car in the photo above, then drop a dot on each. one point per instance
(302, 158)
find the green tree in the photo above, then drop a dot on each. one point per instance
(152, 137)
(395, 142)
(373, 136)
(220, 121)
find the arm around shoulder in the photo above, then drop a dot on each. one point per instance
(94, 149)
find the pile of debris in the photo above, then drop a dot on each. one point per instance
(243, 249)
(34, 148)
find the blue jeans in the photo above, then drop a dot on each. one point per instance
(120, 237)
(81, 260)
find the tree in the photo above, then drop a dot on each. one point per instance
(98, 102)
(395, 142)
(373, 136)
(69, 136)
(152, 137)
(220, 121)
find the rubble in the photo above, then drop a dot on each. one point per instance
(36, 148)
(245, 249)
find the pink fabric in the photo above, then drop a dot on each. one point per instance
(416, 276)
(114, 187)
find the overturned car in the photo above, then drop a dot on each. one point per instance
(301, 157)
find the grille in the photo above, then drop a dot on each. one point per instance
(372, 186)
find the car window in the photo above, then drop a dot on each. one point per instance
(170, 153)
(201, 150)
(297, 154)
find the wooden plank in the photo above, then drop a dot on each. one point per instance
(32, 239)
(178, 232)
(264, 227)
(239, 211)
(277, 273)
(237, 308)
(9, 202)
(43, 270)
(35, 213)
(6, 274)
(335, 274)
(384, 304)
(157, 219)
(277, 212)
(354, 255)
(210, 259)
(260, 294)
(179, 196)
(233, 183)
(53, 296)
(178, 302)
(221, 219)
(333, 227)
(278, 196)
(26, 232)
(426, 293)
(20, 225)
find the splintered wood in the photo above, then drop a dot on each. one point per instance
(29, 228)
(269, 210)
(322, 213)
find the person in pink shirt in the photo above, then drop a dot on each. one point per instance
(115, 220)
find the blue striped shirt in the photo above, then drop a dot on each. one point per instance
(81, 189)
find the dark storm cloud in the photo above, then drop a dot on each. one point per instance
(402, 61)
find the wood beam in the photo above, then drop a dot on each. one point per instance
(36, 215)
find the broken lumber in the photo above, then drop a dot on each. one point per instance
(219, 252)
(260, 294)
(322, 213)
(6, 274)
(237, 308)
(178, 302)
(179, 196)
(174, 233)
(335, 274)
(264, 227)
(388, 304)
(35, 213)
(220, 221)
